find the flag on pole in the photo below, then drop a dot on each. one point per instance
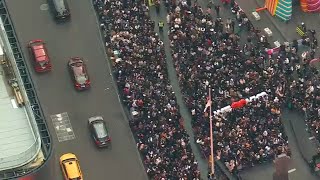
(209, 103)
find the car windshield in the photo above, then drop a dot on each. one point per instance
(100, 129)
(43, 63)
(81, 79)
(69, 160)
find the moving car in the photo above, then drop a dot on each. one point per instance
(39, 53)
(60, 9)
(99, 131)
(79, 74)
(70, 167)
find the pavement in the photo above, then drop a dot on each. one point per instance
(282, 31)
(287, 29)
(79, 37)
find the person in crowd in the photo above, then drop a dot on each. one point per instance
(217, 8)
(205, 52)
(161, 25)
(139, 67)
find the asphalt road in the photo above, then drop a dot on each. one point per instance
(79, 37)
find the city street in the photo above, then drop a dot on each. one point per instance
(81, 37)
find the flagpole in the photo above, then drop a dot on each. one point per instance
(211, 133)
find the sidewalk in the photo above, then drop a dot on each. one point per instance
(288, 30)
(307, 145)
(283, 31)
(248, 6)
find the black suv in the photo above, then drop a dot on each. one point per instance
(60, 9)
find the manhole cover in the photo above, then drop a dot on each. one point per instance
(44, 7)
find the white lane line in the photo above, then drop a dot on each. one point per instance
(292, 170)
(310, 138)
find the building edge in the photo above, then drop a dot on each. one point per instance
(46, 141)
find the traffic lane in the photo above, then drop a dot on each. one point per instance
(80, 37)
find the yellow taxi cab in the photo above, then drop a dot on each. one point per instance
(70, 167)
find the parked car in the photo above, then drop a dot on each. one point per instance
(60, 9)
(79, 73)
(70, 167)
(99, 131)
(39, 53)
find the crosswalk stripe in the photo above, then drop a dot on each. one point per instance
(292, 170)
(63, 127)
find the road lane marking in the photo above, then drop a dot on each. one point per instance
(63, 127)
(310, 138)
(292, 170)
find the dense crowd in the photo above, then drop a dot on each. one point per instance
(304, 95)
(206, 51)
(139, 67)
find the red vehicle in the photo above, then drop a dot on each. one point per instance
(79, 73)
(40, 56)
(27, 178)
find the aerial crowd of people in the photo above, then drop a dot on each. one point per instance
(213, 56)
(206, 51)
(139, 67)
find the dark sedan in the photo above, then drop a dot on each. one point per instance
(99, 131)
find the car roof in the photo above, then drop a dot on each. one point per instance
(40, 52)
(79, 70)
(72, 168)
(100, 128)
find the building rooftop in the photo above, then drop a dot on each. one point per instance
(16, 135)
